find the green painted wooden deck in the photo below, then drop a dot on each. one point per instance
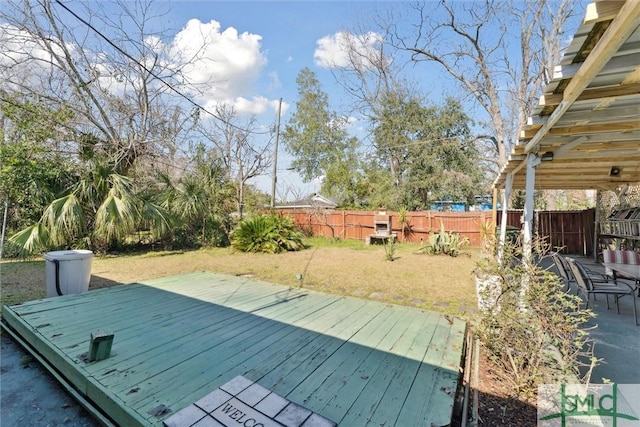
(354, 361)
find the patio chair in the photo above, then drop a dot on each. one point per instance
(589, 287)
(564, 271)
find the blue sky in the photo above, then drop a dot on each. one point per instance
(289, 32)
(290, 35)
(248, 53)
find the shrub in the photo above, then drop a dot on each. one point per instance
(268, 233)
(535, 331)
(444, 243)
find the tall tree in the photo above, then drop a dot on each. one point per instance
(107, 67)
(432, 151)
(371, 78)
(99, 210)
(443, 160)
(201, 201)
(32, 170)
(318, 139)
(501, 52)
(114, 76)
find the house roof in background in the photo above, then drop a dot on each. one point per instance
(587, 122)
(315, 201)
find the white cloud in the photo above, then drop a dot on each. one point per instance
(256, 105)
(344, 49)
(223, 64)
(22, 58)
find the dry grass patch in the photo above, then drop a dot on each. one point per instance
(435, 282)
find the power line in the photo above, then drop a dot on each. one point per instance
(144, 67)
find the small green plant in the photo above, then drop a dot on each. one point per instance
(390, 249)
(268, 233)
(444, 243)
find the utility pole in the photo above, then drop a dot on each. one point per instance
(275, 160)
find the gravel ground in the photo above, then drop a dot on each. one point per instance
(30, 396)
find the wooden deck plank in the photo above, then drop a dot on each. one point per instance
(363, 404)
(318, 388)
(106, 401)
(364, 379)
(217, 337)
(161, 334)
(58, 304)
(221, 372)
(128, 317)
(144, 312)
(178, 338)
(378, 402)
(232, 341)
(286, 377)
(131, 319)
(273, 350)
(391, 403)
(429, 400)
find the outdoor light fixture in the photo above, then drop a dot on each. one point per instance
(615, 171)
(547, 157)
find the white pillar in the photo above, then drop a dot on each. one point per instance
(532, 162)
(506, 195)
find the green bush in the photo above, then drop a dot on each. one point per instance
(444, 243)
(268, 233)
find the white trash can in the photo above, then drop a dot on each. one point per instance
(68, 272)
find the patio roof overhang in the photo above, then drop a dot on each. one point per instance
(587, 122)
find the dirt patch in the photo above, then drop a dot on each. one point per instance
(498, 404)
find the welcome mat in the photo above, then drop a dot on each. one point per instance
(243, 403)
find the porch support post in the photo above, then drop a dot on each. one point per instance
(506, 195)
(532, 162)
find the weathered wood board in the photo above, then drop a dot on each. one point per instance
(176, 339)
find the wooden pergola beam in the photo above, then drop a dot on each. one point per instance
(602, 11)
(530, 131)
(620, 91)
(624, 24)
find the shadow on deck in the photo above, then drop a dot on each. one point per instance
(178, 338)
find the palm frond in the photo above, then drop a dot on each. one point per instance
(64, 219)
(157, 217)
(31, 240)
(116, 216)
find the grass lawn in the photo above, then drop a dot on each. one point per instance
(438, 283)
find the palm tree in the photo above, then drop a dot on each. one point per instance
(102, 208)
(200, 201)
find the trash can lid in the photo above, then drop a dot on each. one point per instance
(68, 255)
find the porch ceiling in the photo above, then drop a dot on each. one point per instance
(588, 119)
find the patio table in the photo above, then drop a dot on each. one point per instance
(629, 270)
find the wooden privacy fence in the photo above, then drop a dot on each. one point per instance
(360, 224)
(570, 230)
